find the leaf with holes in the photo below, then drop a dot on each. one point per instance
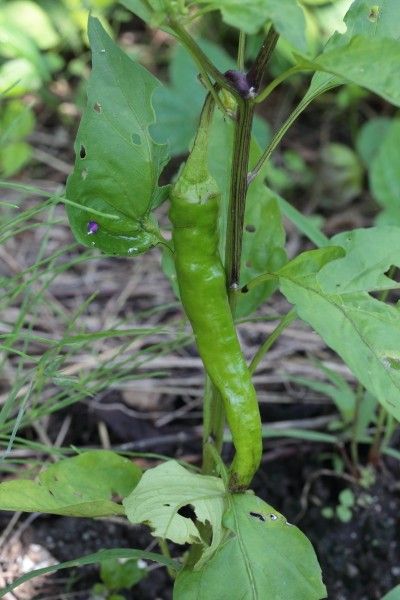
(117, 162)
(82, 486)
(177, 505)
(263, 556)
(364, 331)
(362, 270)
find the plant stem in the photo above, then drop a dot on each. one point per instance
(266, 155)
(240, 162)
(213, 427)
(241, 50)
(375, 449)
(380, 437)
(256, 73)
(238, 192)
(165, 552)
(263, 349)
(389, 429)
(201, 59)
(354, 442)
(277, 81)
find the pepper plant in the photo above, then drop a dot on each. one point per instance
(225, 258)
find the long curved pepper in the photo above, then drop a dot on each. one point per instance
(202, 284)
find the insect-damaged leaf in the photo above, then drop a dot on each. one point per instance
(262, 557)
(117, 162)
(82, 486)
(178, 505)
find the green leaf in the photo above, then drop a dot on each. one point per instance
(346, 497)
(250, 16)
(13, 157)
(91, 559)
(34, 24)
(316, 2)
(363, 331)
(117, 162)
(263, 557)
(18, 76)
(165, 492)
(303, 222)
(154, 12)
(144, 10)
(353, 63)
(263, 247)
(366, 415)
(82, 486)
(394, 594)
(120, 574)
(15, 43)
(69, 22)
(369, 255)
(341, 175)
(338, 390)
(361, 19)
(370, 138)
(288, 19)
(298, 434)
(308, 263)
(358, 22)
(384, 175)
(344, 514)
(17, 121)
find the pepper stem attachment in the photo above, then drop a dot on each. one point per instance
(196, 166)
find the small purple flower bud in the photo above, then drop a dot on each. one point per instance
(92, 227)
(241, 83)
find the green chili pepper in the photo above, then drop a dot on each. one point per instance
(202, 285)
